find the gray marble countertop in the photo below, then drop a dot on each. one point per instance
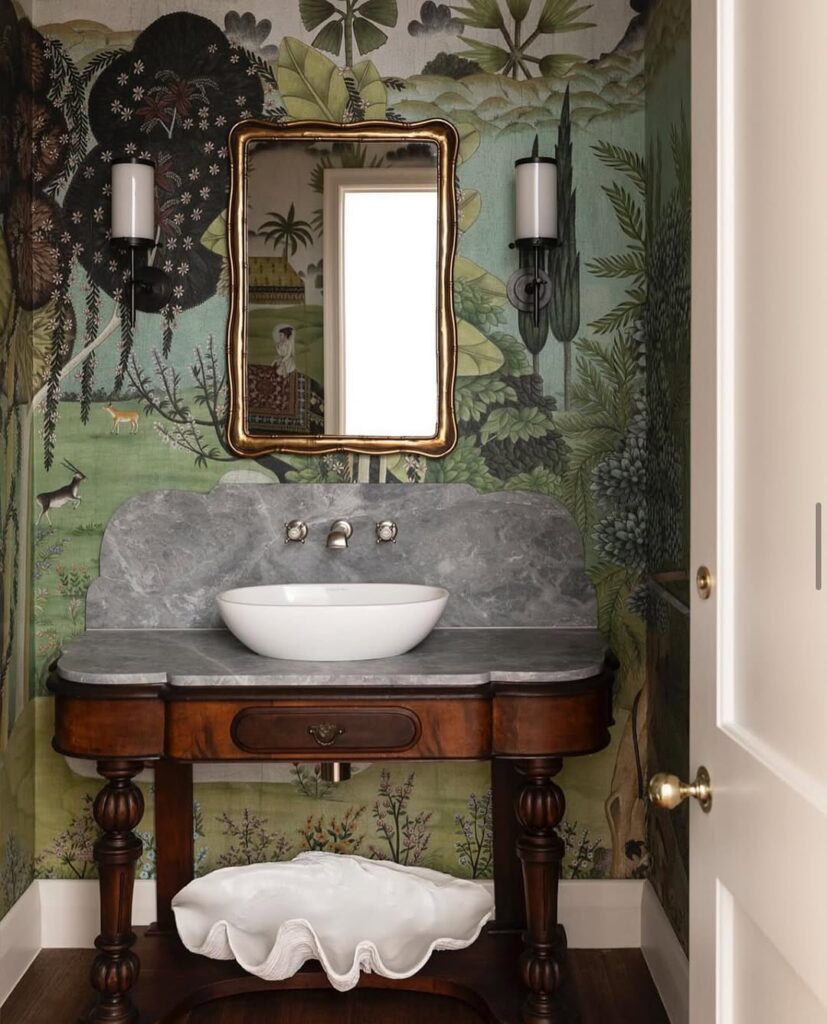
(448, 657)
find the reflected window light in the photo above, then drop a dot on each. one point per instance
(389, 315)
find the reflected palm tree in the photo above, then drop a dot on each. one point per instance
(286, 230)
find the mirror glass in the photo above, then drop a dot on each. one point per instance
(342, 288)
(342, 335)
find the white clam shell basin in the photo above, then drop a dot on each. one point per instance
(332, 621)
(349, 913)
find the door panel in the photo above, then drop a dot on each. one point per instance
(759, 462)
(776, 271)
(757, 982)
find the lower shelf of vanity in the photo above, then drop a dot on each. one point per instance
(484, 977)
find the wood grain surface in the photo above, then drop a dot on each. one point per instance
(613, 987)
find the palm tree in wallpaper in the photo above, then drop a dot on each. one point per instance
(349, 22)
(556, 16)
(286, 230)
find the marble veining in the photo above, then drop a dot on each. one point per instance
(472, 657)
(508, 558)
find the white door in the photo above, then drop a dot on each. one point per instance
(758, 860)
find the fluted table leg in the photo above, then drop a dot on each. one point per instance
(118, 809)
(540, 806)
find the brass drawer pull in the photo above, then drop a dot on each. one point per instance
(325, 733)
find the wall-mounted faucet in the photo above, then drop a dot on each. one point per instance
(340, 531)
(296, 531)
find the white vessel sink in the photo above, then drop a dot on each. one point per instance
(332, 621)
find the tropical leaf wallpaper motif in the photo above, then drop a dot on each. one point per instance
(561, 409)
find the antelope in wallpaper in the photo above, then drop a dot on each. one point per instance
(48, 500)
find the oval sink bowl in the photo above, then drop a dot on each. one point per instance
(332, 621)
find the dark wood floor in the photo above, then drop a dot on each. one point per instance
(613, 987)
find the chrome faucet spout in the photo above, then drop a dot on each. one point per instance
(339, 533)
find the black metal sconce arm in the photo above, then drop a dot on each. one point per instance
(150, 288)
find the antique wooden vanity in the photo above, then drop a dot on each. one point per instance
(523, 698)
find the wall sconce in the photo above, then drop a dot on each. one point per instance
(133, 228)
(529, 288)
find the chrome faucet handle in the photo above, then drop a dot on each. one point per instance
(295, 532)
(386, 532)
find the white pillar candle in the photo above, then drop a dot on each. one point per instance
(133, 201)
(536, 197)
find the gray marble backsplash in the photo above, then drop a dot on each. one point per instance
(508, 559)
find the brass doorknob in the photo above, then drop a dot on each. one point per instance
(667, 791)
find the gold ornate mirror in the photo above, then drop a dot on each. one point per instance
(342, 333)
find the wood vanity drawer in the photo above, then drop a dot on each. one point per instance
(321, 729)
(263, 730)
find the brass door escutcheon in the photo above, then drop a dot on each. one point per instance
(668, 792)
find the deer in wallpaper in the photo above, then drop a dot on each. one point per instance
(62, 495)
(120, 416)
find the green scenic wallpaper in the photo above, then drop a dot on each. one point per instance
(667, 386)
(107, 412)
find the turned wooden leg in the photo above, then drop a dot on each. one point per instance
(118, 808)
(539, 807)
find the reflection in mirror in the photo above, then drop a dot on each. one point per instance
(391, 214)
(342, 334)
(342, 327)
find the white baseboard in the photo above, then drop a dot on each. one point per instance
(20, 939)
(597, 914)
(64, 914)
(665, 958)
(70, 911)
(601, 913)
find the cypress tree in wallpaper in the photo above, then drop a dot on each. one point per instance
(564, 308)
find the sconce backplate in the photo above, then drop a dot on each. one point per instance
(153, 289)
(521, 287)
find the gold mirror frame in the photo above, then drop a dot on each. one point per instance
(242, 135)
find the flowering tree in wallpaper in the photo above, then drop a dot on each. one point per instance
(171, 93)
(172, 99)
